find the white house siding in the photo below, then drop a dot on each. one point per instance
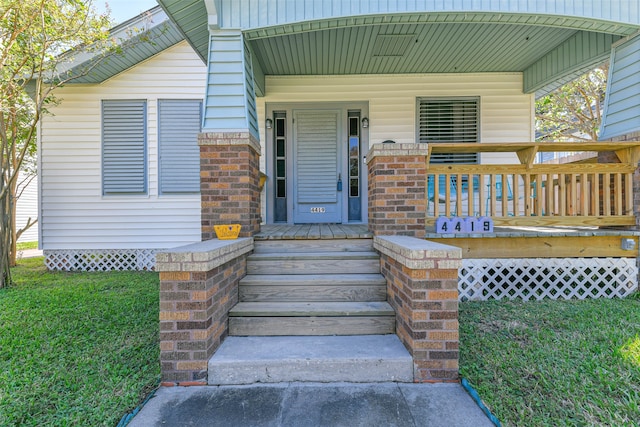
(75, 214)
(506, 113)
(27, 208)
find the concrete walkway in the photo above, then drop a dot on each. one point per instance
(29, 253)
(313, 404)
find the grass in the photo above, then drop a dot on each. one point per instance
(76, 348)
(574, 363)
(82, 349)
(22, 246)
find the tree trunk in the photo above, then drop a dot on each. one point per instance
(5, 238)
(13, 245)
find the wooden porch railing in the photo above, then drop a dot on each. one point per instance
(530, 194)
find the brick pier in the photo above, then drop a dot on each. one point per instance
(422, 288)
(198, 287)
(397, 189)
(229, 181)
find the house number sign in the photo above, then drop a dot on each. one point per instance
(318, 210)
(470, 224)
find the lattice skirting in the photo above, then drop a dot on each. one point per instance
(554, 278)
(100, 260)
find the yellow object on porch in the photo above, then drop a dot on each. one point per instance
(263, 179)
(227, 231)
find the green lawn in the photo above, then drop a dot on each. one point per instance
(82, 349)
(554, 363)
(76, 348)
(21, 246)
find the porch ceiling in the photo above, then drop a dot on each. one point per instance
(408, 48)
(550, 42)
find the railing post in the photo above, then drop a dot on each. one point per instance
(610, 157)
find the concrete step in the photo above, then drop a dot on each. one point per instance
(367, 262)
(370, 358)
(300, 287)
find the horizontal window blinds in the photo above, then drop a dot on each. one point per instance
(179, 126)
(449, 120)
(124, 141)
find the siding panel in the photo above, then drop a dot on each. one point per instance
(622, 108)
(229, 84)
(27, 207)
(245, 14)
(392, 100)
(74, 212)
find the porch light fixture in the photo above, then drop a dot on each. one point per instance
(365, 122)
(269, 123)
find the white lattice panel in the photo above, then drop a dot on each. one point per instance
(554, 278)
(100, 260)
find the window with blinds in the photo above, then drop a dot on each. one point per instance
(124, 147)
(449, 120)
(179, 123)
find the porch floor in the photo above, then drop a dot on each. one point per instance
(361, 231)
(313, 232)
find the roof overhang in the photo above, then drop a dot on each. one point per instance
(192, 18)
(139, 38)
(548, 47)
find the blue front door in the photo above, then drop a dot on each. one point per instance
(317, 165)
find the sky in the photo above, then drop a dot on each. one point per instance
(121, 10)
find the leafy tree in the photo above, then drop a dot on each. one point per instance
(573, 112)
(36, 42)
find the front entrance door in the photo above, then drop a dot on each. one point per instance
(317, 192)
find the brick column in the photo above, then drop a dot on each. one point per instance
(397, 189)
(229, 181)
(198, 287)
(422, 288)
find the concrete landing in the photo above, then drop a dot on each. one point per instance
(312, 404)
(360, 359)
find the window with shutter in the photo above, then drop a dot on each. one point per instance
(178, 127)
(449, 120)
(124, 147)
